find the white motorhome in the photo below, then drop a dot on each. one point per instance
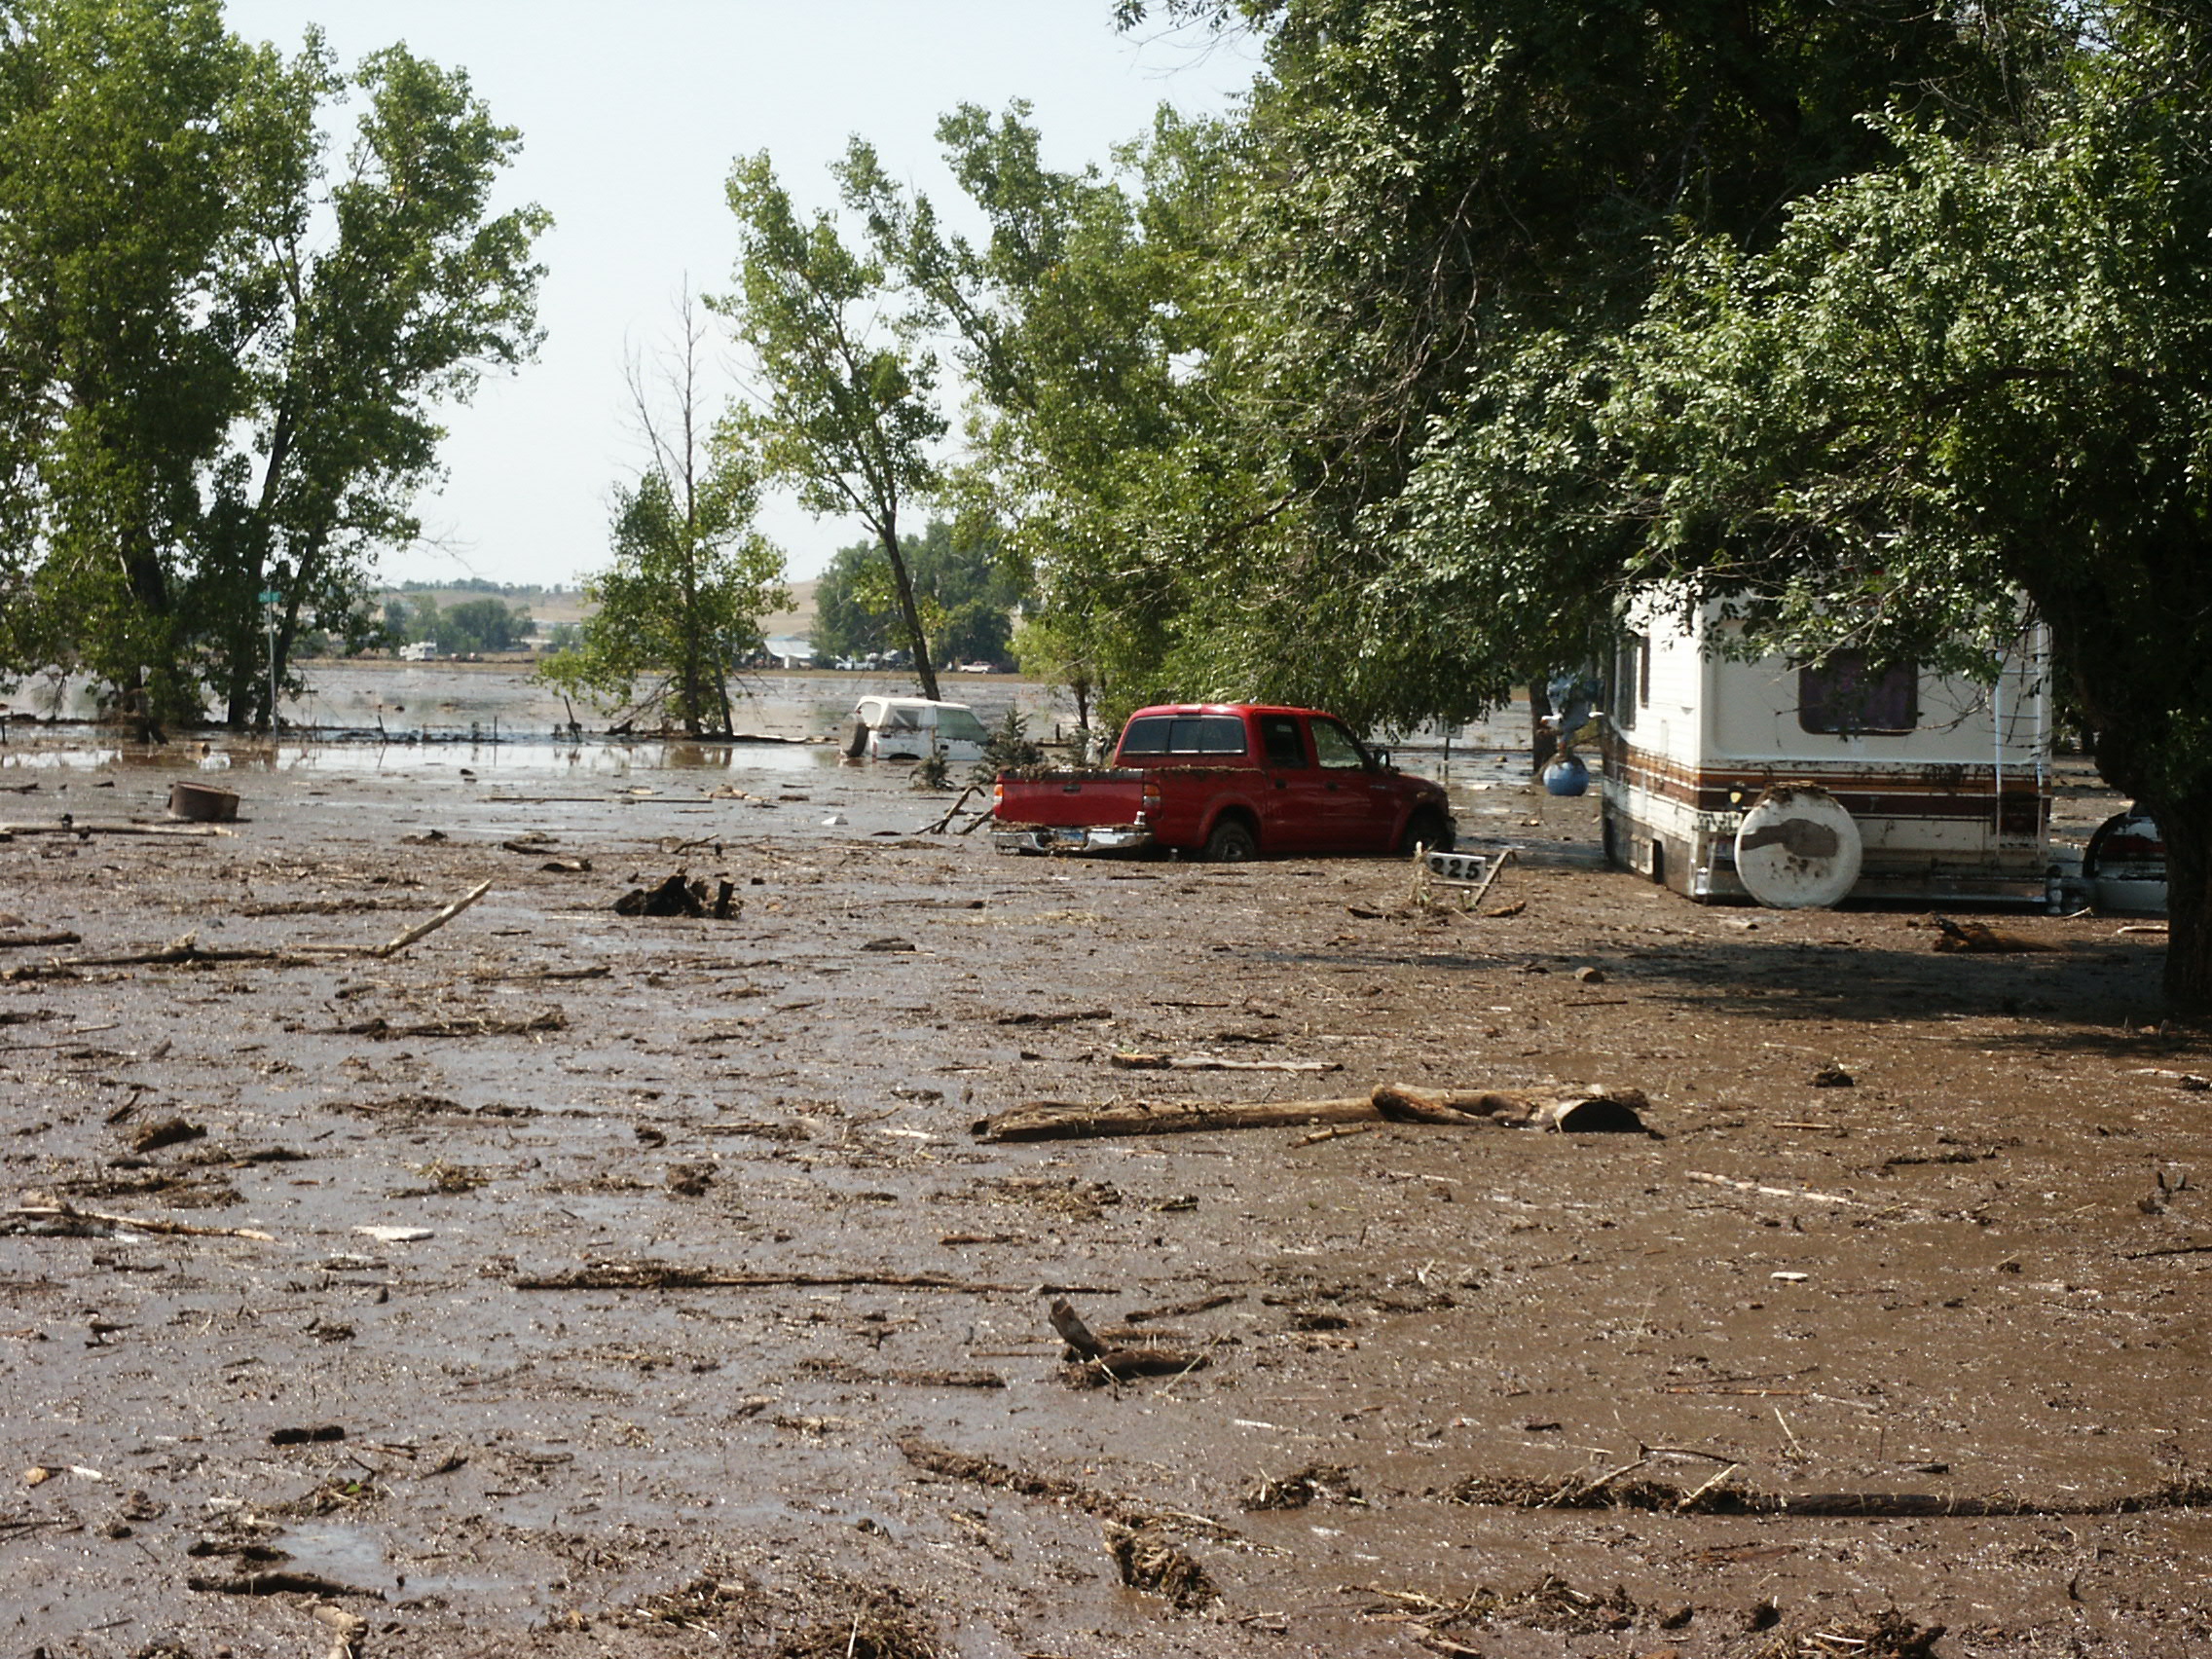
(1727, 779)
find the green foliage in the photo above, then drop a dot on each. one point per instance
(932, 771)
(1985, 371)
(478, 626)
(965, 588)
(1085, 320)
(1008, 749)
(224, 369)
(848, 416)
(681, 606)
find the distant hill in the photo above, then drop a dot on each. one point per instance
(568, 606)
(799, 618)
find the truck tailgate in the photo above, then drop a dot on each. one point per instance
(1069, 800)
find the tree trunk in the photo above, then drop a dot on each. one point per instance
(910, 614)
(2186, 824)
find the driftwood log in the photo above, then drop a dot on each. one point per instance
(1583, 1110)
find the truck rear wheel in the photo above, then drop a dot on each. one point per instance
(1232, 842)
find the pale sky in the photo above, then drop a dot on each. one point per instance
(630, 116)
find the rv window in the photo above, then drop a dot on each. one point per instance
(1632, 680)
(1847, 697)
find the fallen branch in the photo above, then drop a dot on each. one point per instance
(1208, 1062)
(473, 1025)
(188, 950)
(1496, 869)
(659, 1276)
(1389, 1103)
(186, 832)
(423, 928)
(1778, 1191)
(45, 1208)
(37, 941)
(951, 812)
(278, 1583)
(1718, 1497)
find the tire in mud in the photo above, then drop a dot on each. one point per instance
(1428, 829)
(1231, 841)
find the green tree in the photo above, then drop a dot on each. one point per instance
(964, 584)
(854, 604)
(476, 626)
(848, 413)
(1086, 320)
(1422, 195)
(1982, 372)
(221, 374)
(135, 142)
(418, 290)
(681, 606)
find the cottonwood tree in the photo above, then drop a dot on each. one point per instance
(1432, 202)
(136, 142)
(680, 607)
(845, 410)
(1082, 319)
(221, 373)
(416, 291)
(1980, 373)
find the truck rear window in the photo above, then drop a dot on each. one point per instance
(1184, 734)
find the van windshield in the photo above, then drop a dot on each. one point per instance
(960, 725)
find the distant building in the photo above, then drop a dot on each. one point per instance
(790, 651)
(421, 650)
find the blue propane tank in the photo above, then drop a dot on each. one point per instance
(1567, 776)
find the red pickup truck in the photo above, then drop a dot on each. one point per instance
(1226, 781)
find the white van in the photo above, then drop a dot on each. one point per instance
(910, 728)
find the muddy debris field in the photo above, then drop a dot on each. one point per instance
(567, 1281)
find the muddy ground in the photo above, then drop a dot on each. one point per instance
(710, 1324)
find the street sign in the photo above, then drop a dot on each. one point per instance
(270, 596)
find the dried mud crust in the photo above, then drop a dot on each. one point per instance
(637, 1285)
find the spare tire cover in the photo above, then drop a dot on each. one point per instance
(1797, 849)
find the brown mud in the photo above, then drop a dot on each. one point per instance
(639, 1286)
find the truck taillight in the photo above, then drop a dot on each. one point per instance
(1151, 796)
(998, 795)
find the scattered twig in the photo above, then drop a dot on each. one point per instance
(1496, 869)
(1809, 1195)
(420, 930)
(1339, 1133)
